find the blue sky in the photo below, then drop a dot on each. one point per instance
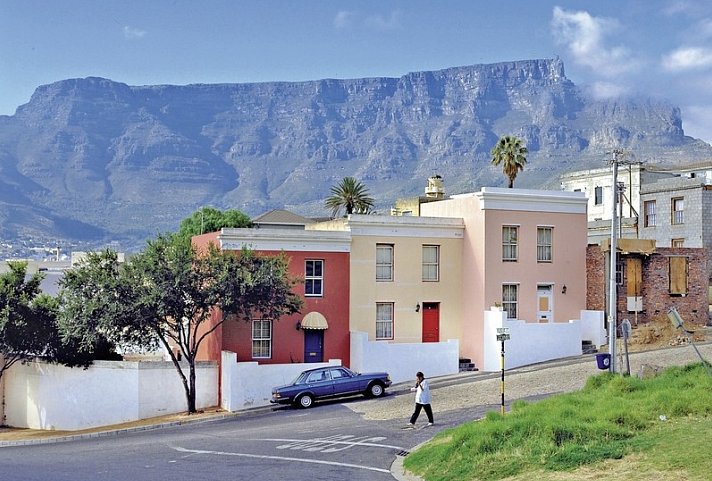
(612, 47)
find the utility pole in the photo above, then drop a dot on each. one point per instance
(612, 285)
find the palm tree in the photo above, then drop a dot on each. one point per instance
(512, 154)
(350, 195)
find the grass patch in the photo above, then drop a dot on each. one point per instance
(579, 434)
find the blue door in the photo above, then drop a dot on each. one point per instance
(313, 345)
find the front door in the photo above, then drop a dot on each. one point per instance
(313, 345)
(431, 322)
(543, 301)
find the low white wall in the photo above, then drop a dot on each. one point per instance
(48, 396)
(592, 327)
(249, 384)
(529, 343)
(403, 360)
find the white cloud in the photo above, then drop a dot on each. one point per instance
(379, 22)
(698, 121)
(131, 32)
(343, 19)
(607, 90)
(585, 37)
(687, 58)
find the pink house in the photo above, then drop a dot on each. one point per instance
(523, 250)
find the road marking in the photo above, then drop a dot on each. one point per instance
(279, 458)
(327, 445)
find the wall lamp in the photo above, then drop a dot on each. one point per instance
(299, 325)
(417, 307)
(563, 289)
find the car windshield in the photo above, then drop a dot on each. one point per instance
(300, 379)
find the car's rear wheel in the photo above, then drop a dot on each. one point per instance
(375, 390)
(305, 401)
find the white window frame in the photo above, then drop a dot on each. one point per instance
(261, 338)
(544, 245)
(314, 279)
(677, 207)
(431, 264)
(384, 262)
(510, 244)
(510, 300)
(649, 207)
(384, 320)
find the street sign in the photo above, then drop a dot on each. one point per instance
(502, 330)
(503, 337)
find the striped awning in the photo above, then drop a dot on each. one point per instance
(314, 320)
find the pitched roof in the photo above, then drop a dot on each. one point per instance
(282, 217)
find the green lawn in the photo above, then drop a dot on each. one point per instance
(615, 428)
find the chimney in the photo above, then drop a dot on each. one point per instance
(434, 190)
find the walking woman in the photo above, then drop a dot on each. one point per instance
(422, 400)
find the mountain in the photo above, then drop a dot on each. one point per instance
(92, 159)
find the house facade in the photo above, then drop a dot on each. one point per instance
(406, 276)
(321, 330)
(523, 250)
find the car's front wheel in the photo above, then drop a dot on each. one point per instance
(375, 390)
(305, 401)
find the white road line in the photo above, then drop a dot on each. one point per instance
(293, 443)
(279, 458)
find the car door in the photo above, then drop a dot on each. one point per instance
(344, 381)
(320, 383)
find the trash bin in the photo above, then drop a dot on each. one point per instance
(603, 360)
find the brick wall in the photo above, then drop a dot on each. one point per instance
(693, 307)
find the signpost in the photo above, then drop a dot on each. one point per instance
(502, 335)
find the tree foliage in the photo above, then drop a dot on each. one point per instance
(171, 295)
(28, 324)
(209, 219)
(511, 153)
(351, 196)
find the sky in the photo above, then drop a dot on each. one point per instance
(659, 48)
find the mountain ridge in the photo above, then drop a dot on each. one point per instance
(94, 159)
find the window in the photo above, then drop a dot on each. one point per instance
(509, 300)
(261, 338)
(431, 255)
(598, 195)
(678, 206)
(384, 320)
(543, 244)
(678, 275)
(678, 243)
(314, 278)
(509, 243)
(649, 213)
(384, 262)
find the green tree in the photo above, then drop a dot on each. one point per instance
(209, 219)
(25, 332)
(351, 196)
(171, 295)
(512, 154)
(28, 323)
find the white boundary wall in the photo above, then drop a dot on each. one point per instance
(53, 397)
(247, 385)
(403, 360)
(531, 342)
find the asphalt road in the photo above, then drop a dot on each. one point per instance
(327, 442)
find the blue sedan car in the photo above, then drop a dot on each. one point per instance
(327, 382)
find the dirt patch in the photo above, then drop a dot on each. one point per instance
(660, 333)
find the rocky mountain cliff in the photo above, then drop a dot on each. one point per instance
(96, 160)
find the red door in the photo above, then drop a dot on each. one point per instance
(431, 322)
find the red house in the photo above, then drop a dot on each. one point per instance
(321, 330)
